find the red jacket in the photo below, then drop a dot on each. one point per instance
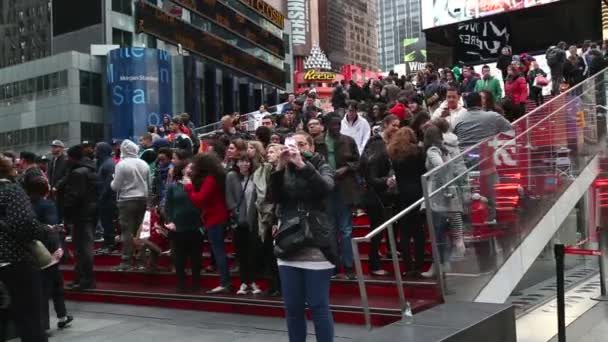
(210, 200)
(517, 89)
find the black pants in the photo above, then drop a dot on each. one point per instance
(52, 288)
(108, 213)
(377, 216)
(24, 285)
(411, 226)
(270, 261)
(536, 94)
(247, 248)
(188, 244)
(82, 238)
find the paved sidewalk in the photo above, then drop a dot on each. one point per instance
(123, 323)
(590, 327)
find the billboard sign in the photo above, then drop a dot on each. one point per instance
(414, 55)
(479, 40)
(139, 88)
(298, 13)
(445, 12)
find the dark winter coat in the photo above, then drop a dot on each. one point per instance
(80, 191)
(306, 189)
(376, 169)
(346, 155)
(105, 173)
(408, 173)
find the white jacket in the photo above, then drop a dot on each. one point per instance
(359, 131)
(454, 116)
(131, 175)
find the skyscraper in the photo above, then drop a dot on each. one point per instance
(25, 32)
(397, 20)
(344, 29)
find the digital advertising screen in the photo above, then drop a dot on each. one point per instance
(445, 12)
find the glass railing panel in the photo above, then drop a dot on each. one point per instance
(484, 203)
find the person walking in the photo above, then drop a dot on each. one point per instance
(556, 59)
(52, 278)
(131, 183)
(80, 214)
(300, 186)
(536, 81)
(516, 89)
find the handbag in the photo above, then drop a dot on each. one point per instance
(540, 81)
(41, 255)
(306, 228)
(233, 220)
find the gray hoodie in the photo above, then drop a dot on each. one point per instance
(132, 175)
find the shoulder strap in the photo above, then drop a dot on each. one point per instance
(238, 206)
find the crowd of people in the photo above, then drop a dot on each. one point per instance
(286, 193)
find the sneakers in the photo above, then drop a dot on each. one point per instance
(380, 273)
(255, 289)
(218, 290)
(430, 273)
(243, 290)
(64, 322)
(121, 267)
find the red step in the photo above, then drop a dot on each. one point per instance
(345, 308)
(381, 286)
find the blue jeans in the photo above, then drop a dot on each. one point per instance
(341, 218)
(441, 225)
(215, 234)
(300, 287)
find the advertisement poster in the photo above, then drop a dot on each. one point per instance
(298, 13)
(482, 39)
(139, 88)
(445, 12)
(414, 56)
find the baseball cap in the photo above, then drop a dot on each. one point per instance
(58, 143)
(87, 143)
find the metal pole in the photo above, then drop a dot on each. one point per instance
(361, 281)
(435, 249)
(561, 300)
(396, 268)
(603, 244)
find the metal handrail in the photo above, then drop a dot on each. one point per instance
(389, 223)
(393, 248)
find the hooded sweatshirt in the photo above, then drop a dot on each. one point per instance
(359, 130)
(105, 171)
(132, 175)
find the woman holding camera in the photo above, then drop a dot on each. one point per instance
(304, 244)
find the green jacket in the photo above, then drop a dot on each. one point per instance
(180, 210)
(492, 85)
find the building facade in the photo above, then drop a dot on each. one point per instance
(225, 56)
(57, 97)
(344, 29)
(25, 33)
(398, 21)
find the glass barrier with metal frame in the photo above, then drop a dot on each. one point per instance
(483, 203)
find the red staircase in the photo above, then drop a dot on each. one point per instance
(158, 289)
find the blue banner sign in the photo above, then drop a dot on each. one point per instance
(139, 90)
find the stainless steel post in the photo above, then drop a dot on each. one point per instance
(396, 268)
(603, 244)
(361, 281)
